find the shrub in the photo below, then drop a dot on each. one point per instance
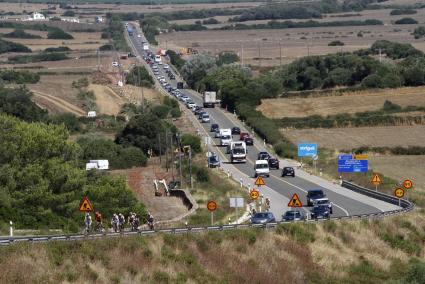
(419, 32)
(336, 43)
(397, 12)
(20, 33)
(20, 59)
(302, 233)
(106, 47)
(161, 111)
(139, 76)
(19, 77)
(193, 141)
(57, 49)
(202, 174)
(69, 13)
(416, 272)
(58, 34)
(406, 21)
(70, 121)
(175, 113)
(8, 46)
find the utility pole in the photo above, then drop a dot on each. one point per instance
(380, 56)
(160, 150)
(172, 155)
(166, 149)
(179, 145)
(242, 53)
(259, 54)
(308, 49)
(98, 60)
(280, 53)
(190, 167)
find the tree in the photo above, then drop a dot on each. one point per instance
(196, 68)
(57, 33)
(419, 32)
(193, 141)
(406, 21)
(336, 43)
(139, 76)
(227, 57)
(372, 81)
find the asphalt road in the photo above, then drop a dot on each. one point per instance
(343, 205)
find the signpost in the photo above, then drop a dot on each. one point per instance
(212, 206)
(348, 164)
(399, 193)
(254, 194)
(307, 150)
(407, 184)
(236, 202)
(376, 180)
(260, 181)
(85, 205)
(295, 201)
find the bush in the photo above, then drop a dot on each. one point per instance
(139, 76)
(406, 21)
(202, 174)
(20, 59)
(419, 32)
(397, 12)
(89, 100)
(20, 33)
(416, 272)
(58, 49)
(106, 47)
(210, 21)
(193, 141)
(302, 233)
(8, 46)
(58, 34)
(175, 113)
(336, 43)
(69, 13)
(70, 121)
(161, 111)
(19, 77)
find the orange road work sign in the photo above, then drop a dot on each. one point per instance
(85, 205)
(259, 181)
(211, 206)
(254, 194)
(295, 201)
(407, 184)
(376, 180)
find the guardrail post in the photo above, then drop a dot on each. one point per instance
(11, 228)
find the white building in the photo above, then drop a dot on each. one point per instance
(37, 17)
(98, 19)
(70, 19)
(97, 164)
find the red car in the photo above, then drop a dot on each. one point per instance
(243, 135)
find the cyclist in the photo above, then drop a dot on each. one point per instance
(115, 222)
(87, 222)
(98, 219)
(121, 219)
(150, 221)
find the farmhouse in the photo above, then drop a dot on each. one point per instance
(37, 17)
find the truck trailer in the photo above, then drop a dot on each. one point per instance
(209, 99)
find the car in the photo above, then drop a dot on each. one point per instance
(172, 77)
(323, 202)
(198, 109)
(214, 127)
(263, 156)
(213, 161)
(217, 133)
(236, 131)
(263, 218)
(293, 215)
(288, 171)
(249, 141)
(205, 118)
(313, 195)
(261, 168)
(273, 163)
(166, 66)
(201, 113)
(320, 212)
(243, 135)
(139, 36)
(115, 64)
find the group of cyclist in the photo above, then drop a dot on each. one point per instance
(117, 222)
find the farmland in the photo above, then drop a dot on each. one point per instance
(332, 103)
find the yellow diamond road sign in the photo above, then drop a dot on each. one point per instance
(376, 180)
(259, 181)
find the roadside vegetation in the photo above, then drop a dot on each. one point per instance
(115, 32)
(8, 46)
(48, 56)
(19, 33)
(139, 76)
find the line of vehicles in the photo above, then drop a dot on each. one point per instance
(236, 143)
(321, 209)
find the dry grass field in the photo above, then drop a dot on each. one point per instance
(350, 102)
(349, 138)
(401, 167)
(108, 102)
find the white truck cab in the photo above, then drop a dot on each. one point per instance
(237, 151)
(225, 137)
(261, 168)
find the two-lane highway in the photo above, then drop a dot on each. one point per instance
(345, 202)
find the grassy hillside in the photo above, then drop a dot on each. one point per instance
(379, 251)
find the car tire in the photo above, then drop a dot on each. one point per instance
(293, 176)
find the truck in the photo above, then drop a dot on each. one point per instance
(130, 31)
(209, 99)
(237, 152)
(261, 168)
(145, 46)
(225, 137)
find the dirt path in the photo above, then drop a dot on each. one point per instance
(107, 100)
(56, 103)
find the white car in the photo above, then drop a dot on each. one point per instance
(205, 118)
(139, 36)
(166, 66)
(191, 105)
(115, 64)
(261, 168)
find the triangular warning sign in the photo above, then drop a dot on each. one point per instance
(259, 181)
(85, 205)
(376, 180)
(295, 201)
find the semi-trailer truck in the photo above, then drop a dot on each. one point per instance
(209, 99)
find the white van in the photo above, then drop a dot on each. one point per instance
(158, 59)
(261, 168)
(225, 137)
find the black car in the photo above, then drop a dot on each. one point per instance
(236, 131)
(198, 109)
(213, 161)
(249, 141)
(273, 163)
(313, 195)
(288, 171)
(320, 212)
(172, 77)
(263, 156)
(214, 127)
